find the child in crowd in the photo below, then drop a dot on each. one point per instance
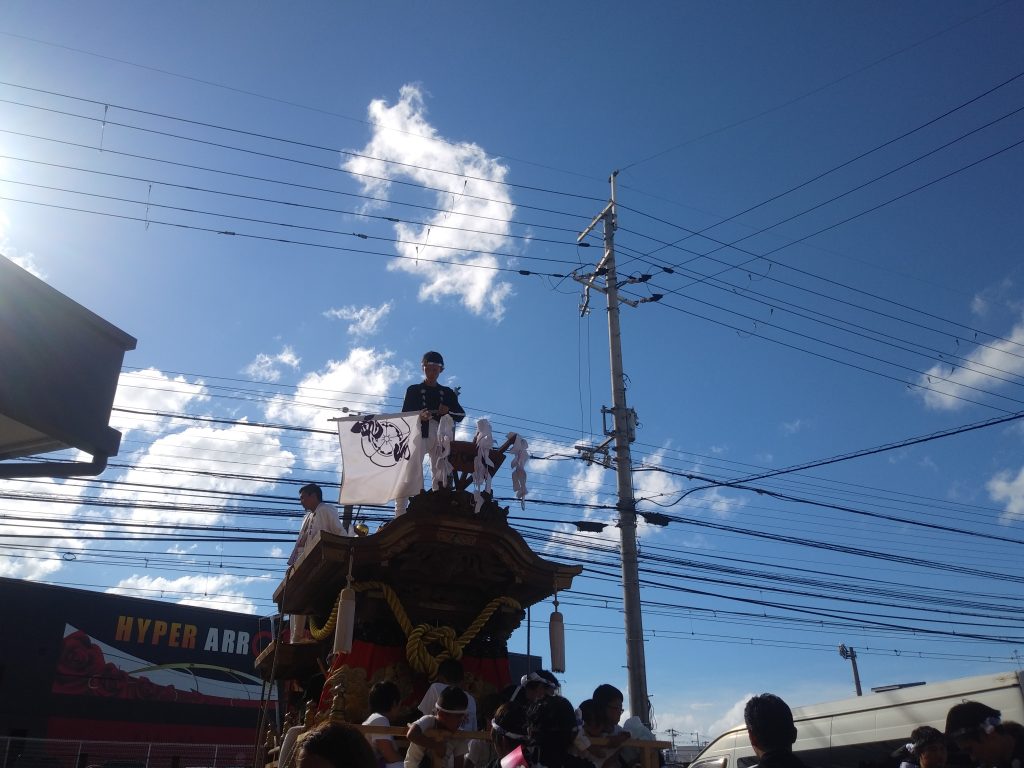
(508, 731)
(449, 713)
(979, 732)
(384, 702)
(449, 672)
(534, 687)
(551, 727)
(593, 723)
(481, 751)
(335, 745)
(926, 749)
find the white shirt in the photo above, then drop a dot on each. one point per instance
(433, 694)
(378, 719)
(323, 518)
(414, 756)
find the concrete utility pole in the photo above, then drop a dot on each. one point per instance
(851, 654)
(623, 431)
(672, 732)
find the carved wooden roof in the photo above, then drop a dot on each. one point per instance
(442, 561)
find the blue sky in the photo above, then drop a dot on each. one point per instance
(854, 170)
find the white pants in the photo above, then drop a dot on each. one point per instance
(425, 446)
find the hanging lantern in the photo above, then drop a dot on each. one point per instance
(297, 628)
(345, 627)
(556, 635)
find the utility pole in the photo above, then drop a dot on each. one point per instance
(624, 421)
(851, 654)
(672, 733)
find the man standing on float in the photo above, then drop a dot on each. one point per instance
(433, 400)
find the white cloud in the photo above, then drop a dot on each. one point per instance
(895, 457)
(26, 261)
(707, 719)
(792, 427)
(946, 382)
(152, 390)
(685, 723)
(468, 183)
(733, 716)
(221, 591)
(267, 367)
(997, 295)
(365, 321)
(360, 382)
(660, 487)
(1006, 489)
(29, 567)
(257, 452)
(590, 484)
(37, 558)
(716, 501)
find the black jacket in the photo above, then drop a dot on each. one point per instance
(780, 759)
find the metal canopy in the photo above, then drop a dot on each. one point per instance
(60, 366)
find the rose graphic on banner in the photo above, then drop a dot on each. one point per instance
(83, 670)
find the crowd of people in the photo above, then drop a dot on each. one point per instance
(974, 732)
(531, 726)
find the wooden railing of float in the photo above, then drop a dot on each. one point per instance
(650, 751)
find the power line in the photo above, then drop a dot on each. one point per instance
(285, 241)
(874, 63)
(906, 442)
(291, 204)
(268, 180)
(846, 163)
(908, 384)
(284, 224)
(286, 102)
(269, 155)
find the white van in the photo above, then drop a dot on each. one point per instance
(865, 730)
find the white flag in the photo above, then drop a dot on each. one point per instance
(381, 456)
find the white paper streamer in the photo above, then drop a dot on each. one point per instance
(481, 475)
(520, 455)
(440, 466)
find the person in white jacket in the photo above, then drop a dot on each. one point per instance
(319, 517)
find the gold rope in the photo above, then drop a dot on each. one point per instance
(322, 633)
(420, 636)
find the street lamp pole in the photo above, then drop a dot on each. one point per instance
(851, 654)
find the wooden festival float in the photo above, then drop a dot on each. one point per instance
(448, 579)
